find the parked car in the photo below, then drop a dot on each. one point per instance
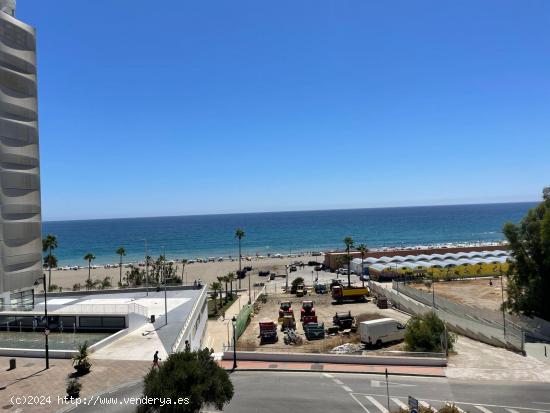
(342, 271)
(381, 331)
(293, 268)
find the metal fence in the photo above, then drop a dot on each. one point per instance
(490, 318)
(461, 323)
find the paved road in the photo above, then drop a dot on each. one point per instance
(324, 392)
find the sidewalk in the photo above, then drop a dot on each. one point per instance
(31, 379)
(334, 368)
(219, 331)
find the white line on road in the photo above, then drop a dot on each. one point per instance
(328, 375)
(400, 403)
(340, 382)
(512, 411)
(426, 405)
(346, 388)
(483, 409)
(377, 404)
(359, 403)
(456, 407)
(468, 403)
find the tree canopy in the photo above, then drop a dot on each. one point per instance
(425, 333)
(529, 273)
(192, 375)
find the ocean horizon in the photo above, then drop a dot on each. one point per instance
(191, 236)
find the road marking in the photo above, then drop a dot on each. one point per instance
(346, 388)
(483, 409)
(456, 407)
(512, 411)
(359, 403)
(426, 405)
(378, 383)
(377, 404)
(327, 375)
(456, 402)
(400, 403)
(340, 382)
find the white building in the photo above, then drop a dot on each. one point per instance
(20, 219)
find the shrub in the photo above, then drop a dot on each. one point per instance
(73, 387)
(297, 281)
(425, 333)
(77, 287)
(196, 373)
(81, 360)
(53, 288)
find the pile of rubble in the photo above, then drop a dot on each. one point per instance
(347, 348)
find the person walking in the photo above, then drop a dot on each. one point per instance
(156, 359)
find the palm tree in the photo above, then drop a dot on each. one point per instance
(222, 281)
(121, 251)
(231, 278)
(89, 257)
(348, 241)
(183, 262)
(362, 248)
(48, 244)
(239, 234)
(215, 286)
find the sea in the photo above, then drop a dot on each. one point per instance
(280, 232)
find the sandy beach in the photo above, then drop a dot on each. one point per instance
(205, 271)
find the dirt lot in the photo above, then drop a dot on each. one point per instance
(325, 310)
(472, 292)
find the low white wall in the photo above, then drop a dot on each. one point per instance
(337, 358)
(36, 353)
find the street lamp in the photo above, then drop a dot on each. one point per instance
(234, 322)
(249, 291)
(146, 269)
(502, 294)
(46, 330)
(286, 271)
(165, 280)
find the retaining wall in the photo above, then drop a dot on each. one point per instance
(337, 358)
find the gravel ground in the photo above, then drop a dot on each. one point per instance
(325, 311)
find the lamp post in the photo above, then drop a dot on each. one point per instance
(164, 276)
(502, 294)
(249, 290)
(286, 271)
(146, 270)
(234, 322)
(46, 330)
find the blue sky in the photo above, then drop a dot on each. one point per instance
(177, 107)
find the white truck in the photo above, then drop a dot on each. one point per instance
(381, 331)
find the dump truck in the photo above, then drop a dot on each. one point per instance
(307, 309)
(300, 290)
(285, 306)
(341, 293)
(343, 320)
(314, 331)
(268, 332)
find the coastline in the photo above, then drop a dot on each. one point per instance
(207, 271)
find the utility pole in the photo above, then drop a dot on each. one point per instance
(502, 293)
(165, 296)
(146, 270)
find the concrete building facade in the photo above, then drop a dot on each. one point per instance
(20, 211)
